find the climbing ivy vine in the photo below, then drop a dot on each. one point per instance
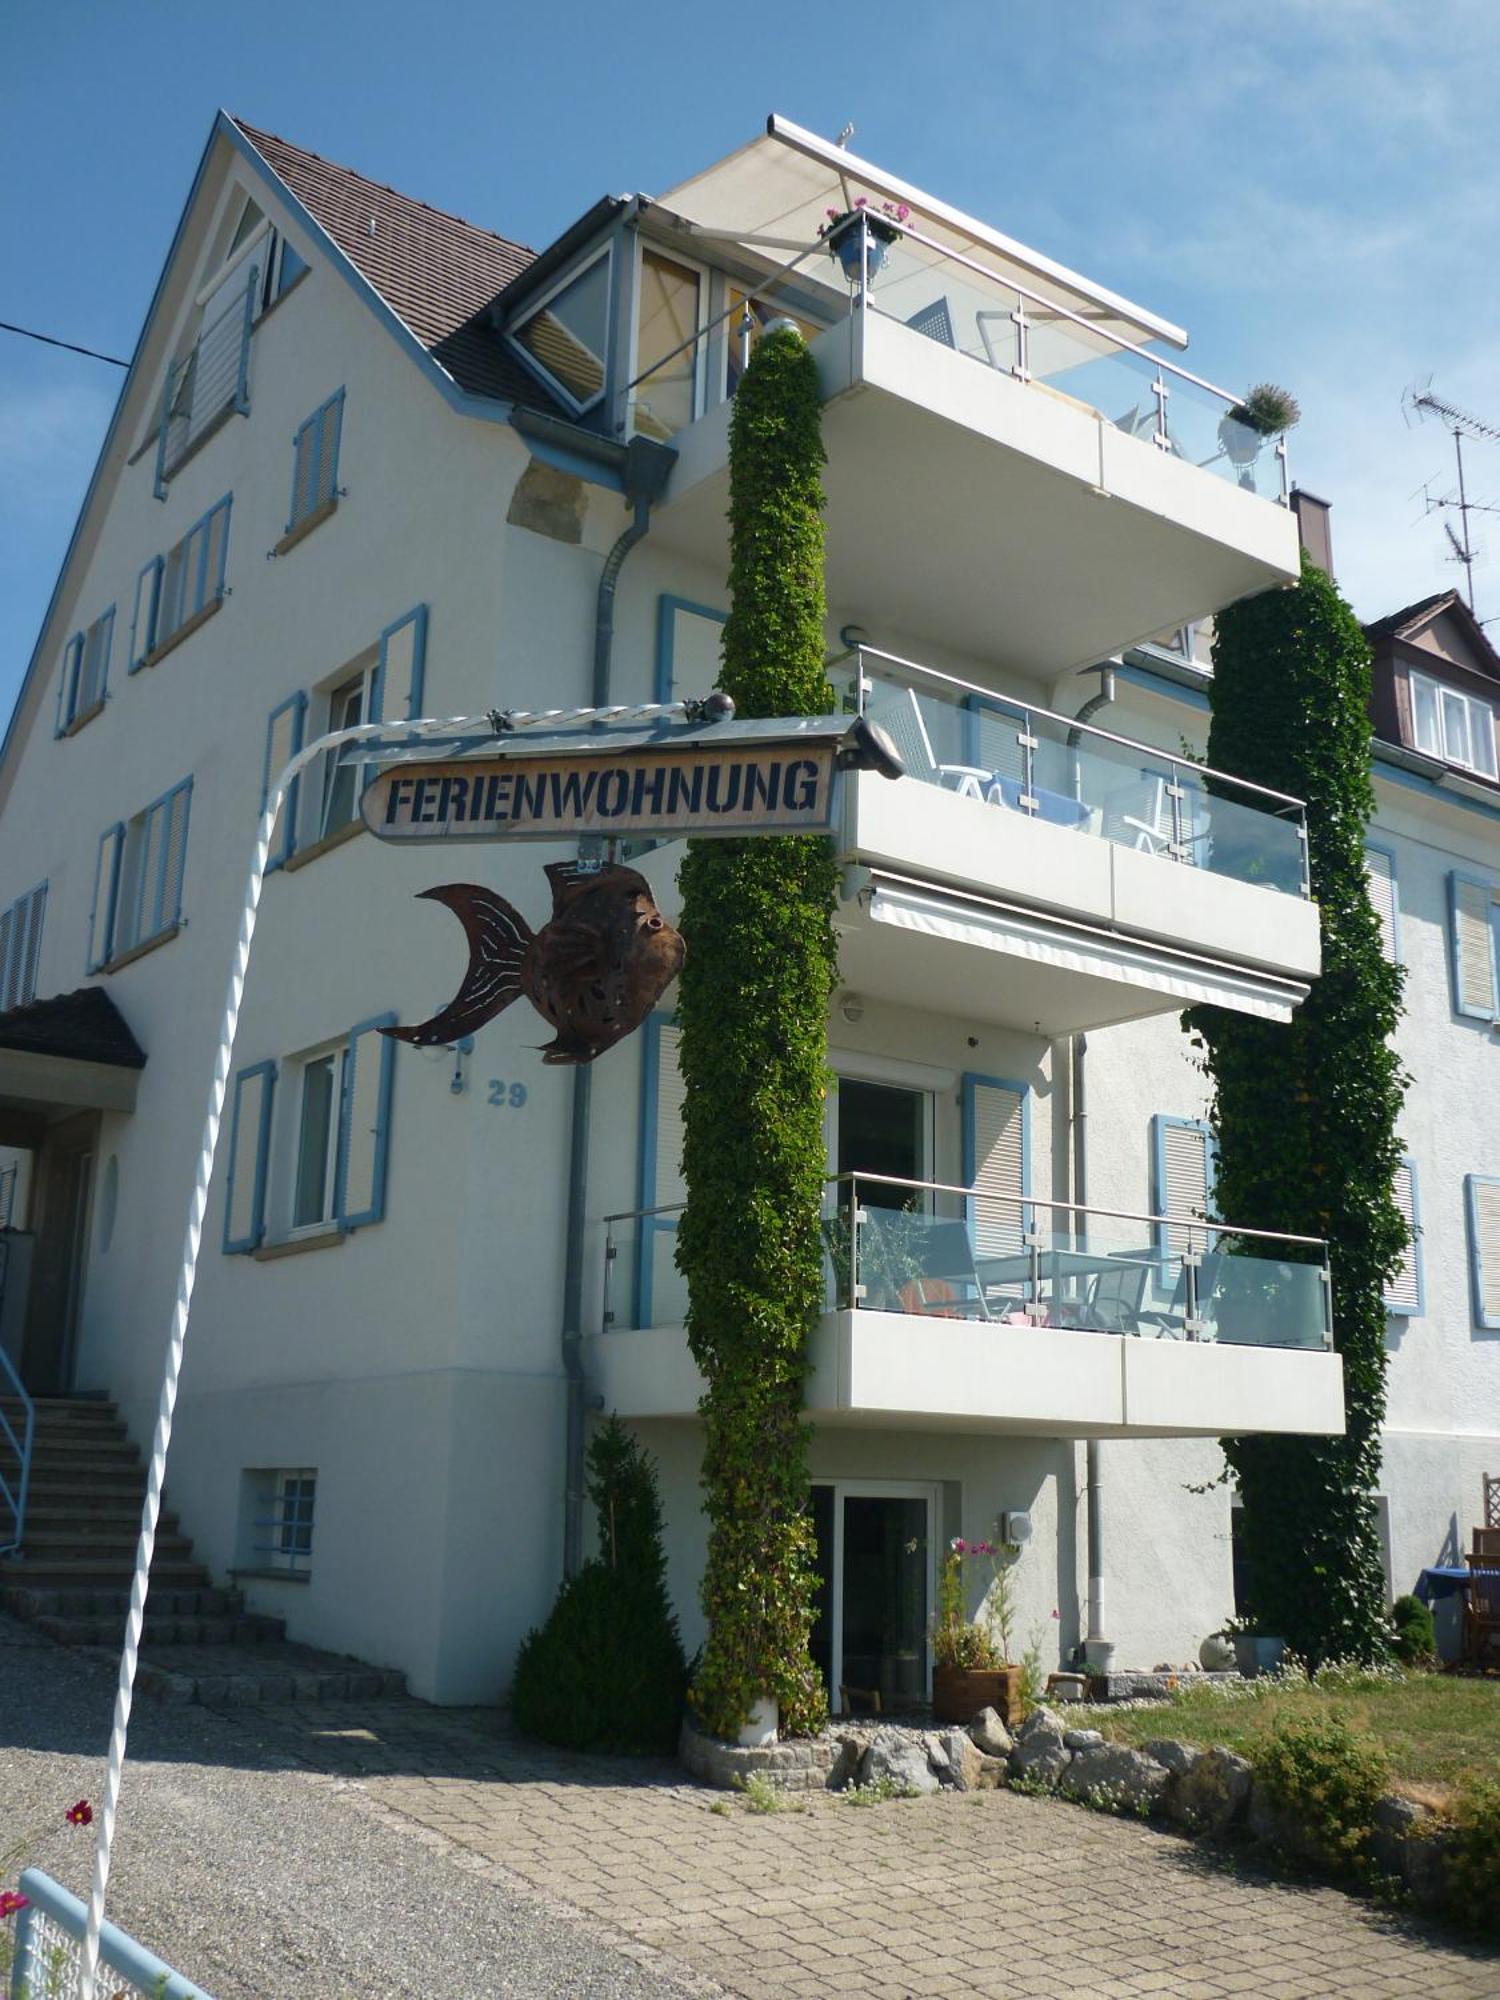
(1306, 1113)
(753, 999)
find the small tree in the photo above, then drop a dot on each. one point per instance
(606, 1671)
(753, 1004)
(1306, 1113)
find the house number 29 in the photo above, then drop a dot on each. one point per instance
(503, 1095)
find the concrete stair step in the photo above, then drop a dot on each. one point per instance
(246, 1628)
(50, 1601)
(98, 1539)
(110, 1480)
(277, 1672)
(50, 1507)
(103, 1572)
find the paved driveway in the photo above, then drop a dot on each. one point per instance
(397, 1850)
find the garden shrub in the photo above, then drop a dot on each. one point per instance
(606, 1671)
(1326, 1778)
(1474, 1857)
(1415, 1635)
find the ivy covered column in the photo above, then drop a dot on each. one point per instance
(1306, 1113)
(753, 1001)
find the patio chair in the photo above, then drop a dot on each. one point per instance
(1151, 824)
(1117, 1295)
(1486, 1547)
(900, 715)
(935, 321)
(919, 1264)
(1482, 1613)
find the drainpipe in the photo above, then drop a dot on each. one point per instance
(1096, 1647)
(646, 467)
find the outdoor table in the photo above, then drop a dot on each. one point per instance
(1447, 1580)
(998, 1275)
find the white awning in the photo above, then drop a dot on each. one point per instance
(774, 194)
(1098, 954)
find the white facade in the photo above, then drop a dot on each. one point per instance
(413, 1362)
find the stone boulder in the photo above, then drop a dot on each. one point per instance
(1127, 1778)
(1179, 1758)
(1042, 1722)
(1211, 1795)
(1082, 1739)
(1039, 1761)
(990, 1734)
(964, 1761)
(898, 1760)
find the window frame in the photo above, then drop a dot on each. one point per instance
(1388, 855)
(204, 598)
(82, 649)
(1395, 1310)
(698, 352)
(132, 845)
(605, 255)
(336, 1055)
(21, 925)
(1474, 707)
(330, 412)
(1489, 888)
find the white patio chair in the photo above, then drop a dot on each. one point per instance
(900, 715)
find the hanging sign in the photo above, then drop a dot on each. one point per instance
(656, 789)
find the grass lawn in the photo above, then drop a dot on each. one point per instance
(1435, 1729)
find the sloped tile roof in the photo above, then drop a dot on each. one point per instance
(85, 1025)
(435, 271)
(1394, 621)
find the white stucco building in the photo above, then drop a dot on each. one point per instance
(372, 461)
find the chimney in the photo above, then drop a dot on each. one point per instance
(1313, 529)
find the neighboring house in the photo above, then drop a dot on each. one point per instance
(373, 462)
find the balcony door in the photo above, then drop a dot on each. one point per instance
(876, 1554)
(881, 1128)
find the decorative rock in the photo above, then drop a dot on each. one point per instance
(1041, 1759)
(1391, 1840)
(1211, 1795)
(1082, 1739)
(1179, 1758)
(1127, 1777)
(1040, 1722)
(898, 1760)
(1216, 1654)
(991, 1774)
(990, 1734)
(964, 1760)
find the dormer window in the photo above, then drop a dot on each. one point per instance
(1457, 727)
(566, 337)
(668, 351)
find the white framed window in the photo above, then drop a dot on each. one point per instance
(138, 878)
(668, 369)
(351, 701)
(278, 1507)
(85, 673)
(311, 1157)
(565, 336)
(320, 1083)
(1457, 727)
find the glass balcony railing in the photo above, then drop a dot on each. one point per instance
(981, 745)
(932, 1251)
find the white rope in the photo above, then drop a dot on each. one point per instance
(454, 726)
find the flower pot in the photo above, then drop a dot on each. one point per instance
(759, 1733)
(1254, 1655)
(844, 244)
(959, 1693)
(1242, 444)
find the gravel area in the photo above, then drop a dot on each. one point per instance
(264, 1878)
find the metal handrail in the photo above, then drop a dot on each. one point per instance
(13, 1498)
(1287, 801)
(1085, 1208)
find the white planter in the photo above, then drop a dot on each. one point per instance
(1216, 1654)
(759, 1733)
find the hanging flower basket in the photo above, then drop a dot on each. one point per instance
(858, 237)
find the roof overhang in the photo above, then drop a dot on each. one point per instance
(773, 195)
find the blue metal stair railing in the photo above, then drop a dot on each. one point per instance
(15, 1452)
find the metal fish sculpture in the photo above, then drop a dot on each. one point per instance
(593, 973)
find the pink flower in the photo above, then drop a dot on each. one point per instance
(1057, 1614)
(80, 1815)
(10, 1902)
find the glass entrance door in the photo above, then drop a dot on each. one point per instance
(875, 1563)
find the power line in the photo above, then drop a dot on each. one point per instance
(48, 340)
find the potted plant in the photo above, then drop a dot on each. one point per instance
(858, 237)
(971, 1665)
(1267, 411)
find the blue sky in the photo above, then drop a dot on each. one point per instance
(1311, 187)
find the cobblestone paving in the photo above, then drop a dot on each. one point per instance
(991, 1895)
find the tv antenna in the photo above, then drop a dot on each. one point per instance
(1417, 404)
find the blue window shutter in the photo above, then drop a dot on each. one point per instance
(104, 645)
(216, 549)
(29, 956)
(996, 1121)
(283, 741)
(1472, 945)
(106, 889)
(1184, 1155)
(397, 692)
(1403, 1294)
(1482, 1200)
(174, 809)
(1380, 868)
(143, 618)
(364, 1124)
(249, 1154)
(331, 431)
(67, 687)
(304, 456)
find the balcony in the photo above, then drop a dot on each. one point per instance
(1001, 438)
(959, 1309)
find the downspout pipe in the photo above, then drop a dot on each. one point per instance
(1097, 1648)
(646, 467)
